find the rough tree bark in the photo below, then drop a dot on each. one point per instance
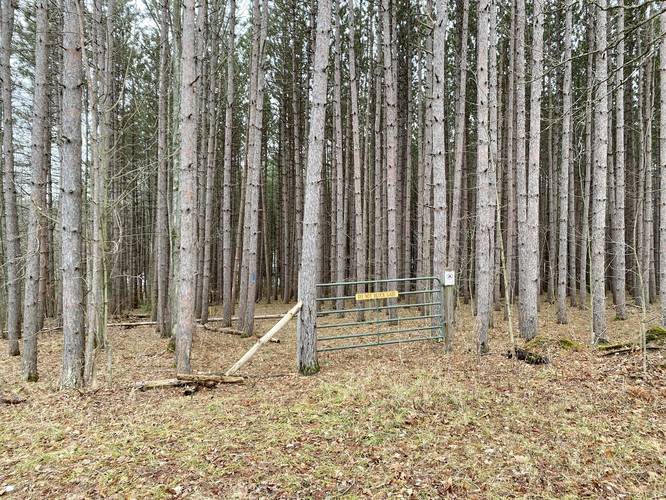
(483, 208)
(254, 178)
(459, 145)
(188, 191)
(619, 252)
(598, 243)
(340, 233)
(12, 237)
(162, 216)
(359, 233)
(391, 139)
(305, 330)
(226, 182)
(439, 142)
(562, 275)
(211, 156)
(662, 168)
(70, 201)
(40, 141)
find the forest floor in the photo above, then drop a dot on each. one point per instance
(395, 421)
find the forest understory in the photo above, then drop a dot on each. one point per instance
(403, 420)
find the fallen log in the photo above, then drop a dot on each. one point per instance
(529, 357)
(265, 339)
(11, 400)
(230, 331)
(629, 349)
(183, 379)
(204, 378)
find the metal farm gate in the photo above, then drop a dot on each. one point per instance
(385, 312)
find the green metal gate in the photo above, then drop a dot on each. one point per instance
(391, 312)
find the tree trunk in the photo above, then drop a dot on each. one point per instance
(40, 142)
(71, 201)
(562, 316)
(211, 157)
(162, 226)
(459, 146)
(585, 223)
(359, 232)
(305, 331)
(662, 168)
(13, 243)
(619, 251)
(439, 143)
(340, 233)
(483, 208)
(391, 127)
(254, 178)
(188, 189)
(597, 266)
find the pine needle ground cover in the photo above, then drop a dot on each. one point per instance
(404, 421)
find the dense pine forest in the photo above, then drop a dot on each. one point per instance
(478, 187)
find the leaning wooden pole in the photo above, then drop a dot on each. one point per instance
(265, 339)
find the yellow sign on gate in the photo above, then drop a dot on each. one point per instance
(391, 294)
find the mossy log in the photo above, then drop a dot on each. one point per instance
(655, 337)
(529, 357)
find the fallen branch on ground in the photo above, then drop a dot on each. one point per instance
(230, 331)
(183, 379)
(11, 400)
(629, 349)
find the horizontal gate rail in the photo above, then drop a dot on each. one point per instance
(379, 334)
(370, 282)
(378, 321)
(372, 344)
(328, 312)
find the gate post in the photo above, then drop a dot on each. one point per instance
(449, 288)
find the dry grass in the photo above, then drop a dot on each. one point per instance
(403, 420)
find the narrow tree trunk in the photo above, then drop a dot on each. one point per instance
(597, 266)
(459, 146)
(585, 222)
(254, 178)
(511, 166)
(662, 168)
(211, 157)
(439, 143)
(162, 226)
(340, 233)
(40, 142)
(359, 232)
(390, 89)
(483, 209)
(227, 302)
(619, 251)
(565, 167)
(13, 243)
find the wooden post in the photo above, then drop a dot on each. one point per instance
(449, 290)
(263, 340)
